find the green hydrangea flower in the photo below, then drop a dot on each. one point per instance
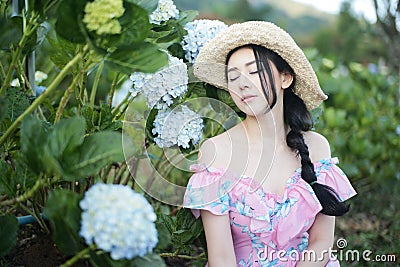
(102, 16)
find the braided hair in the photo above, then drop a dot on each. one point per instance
(299, 120)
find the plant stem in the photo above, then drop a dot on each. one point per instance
(78, 256)
(65, 98)
(17, 53)
(114, 84)
(41, 98)
(165, 255)
(95, 84)
(39, 184)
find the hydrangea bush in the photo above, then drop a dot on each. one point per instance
(65, 141)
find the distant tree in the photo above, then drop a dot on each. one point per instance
(350, 39)
(388, 19)
(243, 10)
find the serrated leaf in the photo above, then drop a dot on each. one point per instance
(10, 33)
(96, 151)
(187, 16)
(66, 136)
(62, 209)
(182, 237)
(62, 51)
(135, 25)
(34, 144)
(145, 57)
(148, 5)
(69, 18)
(168, 222)
(3, 107)
(149, 260)
(8, 233)
(104, 260)
(17, 102)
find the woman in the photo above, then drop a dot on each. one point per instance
(267, 189)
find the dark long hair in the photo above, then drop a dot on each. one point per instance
(299, 120)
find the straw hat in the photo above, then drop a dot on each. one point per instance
(210, 63)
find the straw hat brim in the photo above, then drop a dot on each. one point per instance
(210, 63)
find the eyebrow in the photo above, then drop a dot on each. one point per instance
(247, 64)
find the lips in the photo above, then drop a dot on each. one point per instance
(247, 98)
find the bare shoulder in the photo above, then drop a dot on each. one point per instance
(211, 151)
(318, 146)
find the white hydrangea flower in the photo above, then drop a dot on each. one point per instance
(118, 220)
(40, 76)
(177, 127)
(160, 88)
(199, 32)
(165, 10)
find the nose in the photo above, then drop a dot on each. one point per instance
(244, 81)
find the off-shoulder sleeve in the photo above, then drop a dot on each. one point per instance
(330, 174)
(208, 189)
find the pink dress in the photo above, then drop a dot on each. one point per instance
(267, 229)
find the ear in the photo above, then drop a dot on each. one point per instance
(286, 79)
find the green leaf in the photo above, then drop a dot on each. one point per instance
(168, 222)
(3, 108)
(15, 179)
(148, 5)
(11, 33)
(187, 16)
(150, 117)
(62, 209)
(182, 237)
(135, 25)
(33, 144)
(145, 58)
(164, 237)
(104, 260)
(97, 150)
(8, 233)
(63, 140)
(69, 19)
(149, 260)
(17, 102)
(66, 136)
(62, 51)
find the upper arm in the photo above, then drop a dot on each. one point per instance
(318, 146)
(207, 152)
(323, 228)
(219, 239)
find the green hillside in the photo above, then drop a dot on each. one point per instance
(298, 19)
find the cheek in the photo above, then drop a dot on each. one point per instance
(235, 95)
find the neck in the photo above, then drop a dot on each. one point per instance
(268, 128)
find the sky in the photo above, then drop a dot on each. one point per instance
(361, 7)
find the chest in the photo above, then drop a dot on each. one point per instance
(271, 169)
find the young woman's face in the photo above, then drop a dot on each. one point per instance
(244, 82)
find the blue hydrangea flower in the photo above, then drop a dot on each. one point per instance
(177, 127)
(160, 88)
(199, 32)
(118, 220)
(165, 10)
(39, 90)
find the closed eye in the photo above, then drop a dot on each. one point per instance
(231, 79)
